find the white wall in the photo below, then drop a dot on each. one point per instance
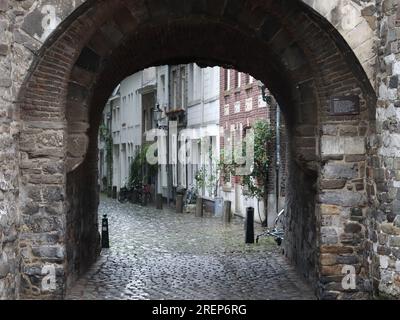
(203, 110)
(162, 74)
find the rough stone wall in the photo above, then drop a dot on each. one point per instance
(357, 22)
(384, 169)
(24, 27)
(82, 238)
(9, 211)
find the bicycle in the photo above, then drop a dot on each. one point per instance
(277, 232)
(124, 195)
(191, 195)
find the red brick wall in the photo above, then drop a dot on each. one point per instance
(241, 93)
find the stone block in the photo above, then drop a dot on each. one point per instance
(53, 194)
(347, 259)
(354, 145)
(328, 259)
(49, 252)
(355, 158)
(3, 50)
(77, 145)
(396, 221)
(349, 131)
(352, 239)
(356, 214)
(3, 5)
(343, 198)
(394, 241)
(389, 228)
(340, 171)
(330, 221)
(329, 235)
(352, 227)
(4, 268)
(330, 209)
(332, 145)
(331, 270)
(333, 184)
(383, 250)
(382, 238)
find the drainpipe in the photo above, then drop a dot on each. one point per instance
(278, 155)
(169, 167)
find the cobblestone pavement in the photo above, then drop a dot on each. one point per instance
(164, 255)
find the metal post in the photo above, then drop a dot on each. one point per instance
(105, 239)
(179, 203)
(227, 211)
(278, 156)
(114, 193)
(159, 201)
(249, 225)
(199, 207)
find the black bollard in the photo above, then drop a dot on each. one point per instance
(179, 203)
(105, 239)
(249, 225)
(199, 207)
(159, 201)
(227, 211)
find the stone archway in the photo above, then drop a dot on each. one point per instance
(287, 45)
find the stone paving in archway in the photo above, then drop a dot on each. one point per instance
(164, 255)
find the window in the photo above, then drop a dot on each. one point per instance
(163, 98)
(227, 80)
(249, 104)
(182, 168)
(261, 102)
(174, 90)
(191, 82)
(226, 110)
(174, 159)
(238, 79)
(251, 79)
(237, 106)
(198, 73)
(182, 88)
(247, 79)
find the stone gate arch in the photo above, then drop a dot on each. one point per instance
(304, 61)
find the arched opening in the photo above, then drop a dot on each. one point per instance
(302, 58)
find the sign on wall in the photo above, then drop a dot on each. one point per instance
(345, 105)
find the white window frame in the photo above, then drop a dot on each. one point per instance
(261, 102)
(236, 109)
(226, 110)
(249, 104)
(239, 80)
(227, 79)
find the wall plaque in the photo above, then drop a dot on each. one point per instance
(346, 105)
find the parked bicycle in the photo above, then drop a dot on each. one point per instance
(191, 195)
(141, 194)
(278, 231)
(124, 194)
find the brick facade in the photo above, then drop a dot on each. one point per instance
(247, 91)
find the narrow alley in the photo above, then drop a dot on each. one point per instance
(165, 255)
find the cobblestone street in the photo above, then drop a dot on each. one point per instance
(164, 255)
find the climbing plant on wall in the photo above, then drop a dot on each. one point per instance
(106, 136)
(256, 184)
(140, 169)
